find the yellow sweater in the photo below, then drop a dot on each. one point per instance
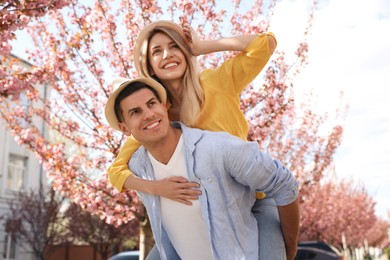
(221, 112)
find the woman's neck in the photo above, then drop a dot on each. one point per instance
(175, 89)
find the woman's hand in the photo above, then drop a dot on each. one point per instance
(178, 189)
(192, 39)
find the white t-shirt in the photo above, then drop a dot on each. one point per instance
(184, 224)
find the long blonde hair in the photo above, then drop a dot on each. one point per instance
(193, 95)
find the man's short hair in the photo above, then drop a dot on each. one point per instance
(127, 91)
(112, 109)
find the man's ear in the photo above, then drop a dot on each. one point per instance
(124, 129)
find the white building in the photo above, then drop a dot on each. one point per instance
(19, 170)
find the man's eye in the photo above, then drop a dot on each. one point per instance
(134, 112)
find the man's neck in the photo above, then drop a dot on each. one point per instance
(163, 150)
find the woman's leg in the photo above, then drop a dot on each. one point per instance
(271, 243)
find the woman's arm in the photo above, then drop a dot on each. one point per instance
(119, 171)
(174, 187)
(234, 74)
(237, 43)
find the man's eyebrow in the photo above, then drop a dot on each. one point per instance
(147, 102)
(151, 99)
(132, 109)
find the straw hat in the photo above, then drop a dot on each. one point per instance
(118, 85)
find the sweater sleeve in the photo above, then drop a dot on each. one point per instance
(236, 73)
(119, 170)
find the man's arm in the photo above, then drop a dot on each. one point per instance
(263, 173)
(289, 222)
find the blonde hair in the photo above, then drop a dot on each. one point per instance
(193, 96)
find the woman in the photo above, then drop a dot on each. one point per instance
(208, 100)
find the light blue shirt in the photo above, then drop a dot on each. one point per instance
(229, 172)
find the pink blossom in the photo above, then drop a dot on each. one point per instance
(87, 48)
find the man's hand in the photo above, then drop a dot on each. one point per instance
(291, 251)
(178, 189)
(289, 221)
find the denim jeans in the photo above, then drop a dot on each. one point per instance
(271, 243)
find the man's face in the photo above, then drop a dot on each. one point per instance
(144, 117)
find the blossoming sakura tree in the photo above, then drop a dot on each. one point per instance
(77, 47)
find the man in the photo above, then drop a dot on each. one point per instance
(220, 224)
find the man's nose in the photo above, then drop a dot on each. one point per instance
(149, 113)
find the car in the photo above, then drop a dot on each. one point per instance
(126, 255)
(316, 250)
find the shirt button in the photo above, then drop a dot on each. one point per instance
(209, 179)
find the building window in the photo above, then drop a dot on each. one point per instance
(26, 104)
(16, 172)
(9, 247)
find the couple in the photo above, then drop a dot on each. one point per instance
(165, 51)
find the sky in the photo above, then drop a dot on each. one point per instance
(349, 51)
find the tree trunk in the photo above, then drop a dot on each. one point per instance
(146, 240)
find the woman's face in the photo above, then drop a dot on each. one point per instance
(166, 59)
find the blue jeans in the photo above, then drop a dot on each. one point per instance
(271, 243)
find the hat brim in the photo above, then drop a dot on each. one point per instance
(145, 33)
(119, 84)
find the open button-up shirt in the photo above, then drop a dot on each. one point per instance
(229, 172)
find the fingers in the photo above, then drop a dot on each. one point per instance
(179, 189)
(177, 179)
(186, 27)
(189, 185)
(188, 191)
(186, 202)
(186, 199)
(184, 181)
(187, 32)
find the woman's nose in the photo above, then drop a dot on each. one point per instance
(167, 53)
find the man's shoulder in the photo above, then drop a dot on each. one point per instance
(139, 155)
(191, 131)
(196, 135)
